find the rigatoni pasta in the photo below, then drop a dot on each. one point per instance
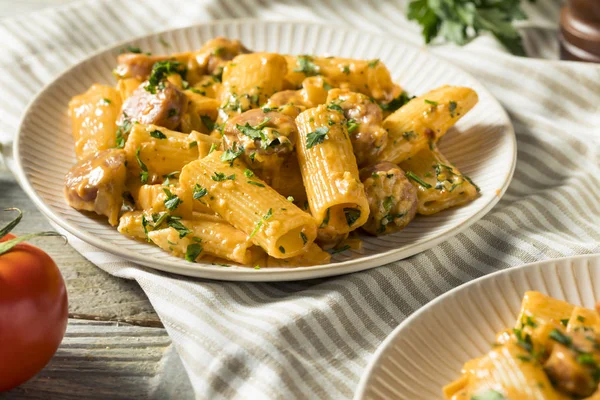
(269, 219)
(93, 119)
(552, 352)
(336, 196)
(440, 185)
(253, 157)
(424, 120)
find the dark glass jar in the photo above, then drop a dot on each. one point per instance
(580, 31)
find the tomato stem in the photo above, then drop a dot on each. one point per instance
(10, 226)
(9, 244)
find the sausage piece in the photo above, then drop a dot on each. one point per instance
(164, 108)
(266, 137)
(364, 124)
(392, 198)
(97, 182)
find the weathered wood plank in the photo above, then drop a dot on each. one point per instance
(92, 292)
(107, 360)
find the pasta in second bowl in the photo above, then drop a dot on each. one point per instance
(247, 152)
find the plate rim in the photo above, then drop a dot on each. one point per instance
(246, 274)
(362, 387)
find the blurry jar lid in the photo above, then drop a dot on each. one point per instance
(580, 31)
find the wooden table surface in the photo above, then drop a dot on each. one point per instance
(115, 346)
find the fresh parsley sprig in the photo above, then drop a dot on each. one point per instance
(460, 21)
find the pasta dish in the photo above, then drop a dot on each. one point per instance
(261, 159)
(552, 353)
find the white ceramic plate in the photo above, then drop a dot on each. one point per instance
(482, 145)
(428, 349)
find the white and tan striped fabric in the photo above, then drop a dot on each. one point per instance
(312, 339)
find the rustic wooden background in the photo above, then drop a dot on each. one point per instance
(115, 346)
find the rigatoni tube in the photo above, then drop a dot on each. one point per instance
(249, 204)
(336, 196)
(439, 184)
(424, 120)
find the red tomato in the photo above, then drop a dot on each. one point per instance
(33, 312)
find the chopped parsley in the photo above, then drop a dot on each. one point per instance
(162, 69)
(325, 220)
(144, 173)
(198, 91)
(580, 318)
(352, 125)
(452, 108)
(256, 184)
(106, 101)
(586, 359)
(248, 173)
(373, 64)
(159, 218)
(172, 201)
(346, 69)
(133, 49)
(431, 102)
(564, 322)
(208, 123)
(396, 103)
(317, 137)
(388, 203)
(408, 135)
(303, 237)
(528, 321)
(282, 249)
(199, 192)
(193, 251)
(306, 66)
(220, 177)
(340, 249)
(123, 131)
(158, 134)
(172, 112)
(266, 217)
(175, 223)
(213, 147)
(231, 154)
(412, 176)
(524, 341)
(168, 176)
(327, 86)
(145, 225)
(560, 337)
(466, 178)
(352, 215)
(335, 107)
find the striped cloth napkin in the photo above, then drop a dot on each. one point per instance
(314, 338)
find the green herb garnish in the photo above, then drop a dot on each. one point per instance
(460, 21)
(352, 125)
(303, 237)
(220, 177)
(256, 184)
(162, 69)
(172, 201)
(306, 66)
(193, 251)
(373, 64)
(199, 192)
(412, 176)
(560, 337)
(208, 123)
(158, 134)
(352, 215)
(452, 108)
(317, 137)
(144, 173)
